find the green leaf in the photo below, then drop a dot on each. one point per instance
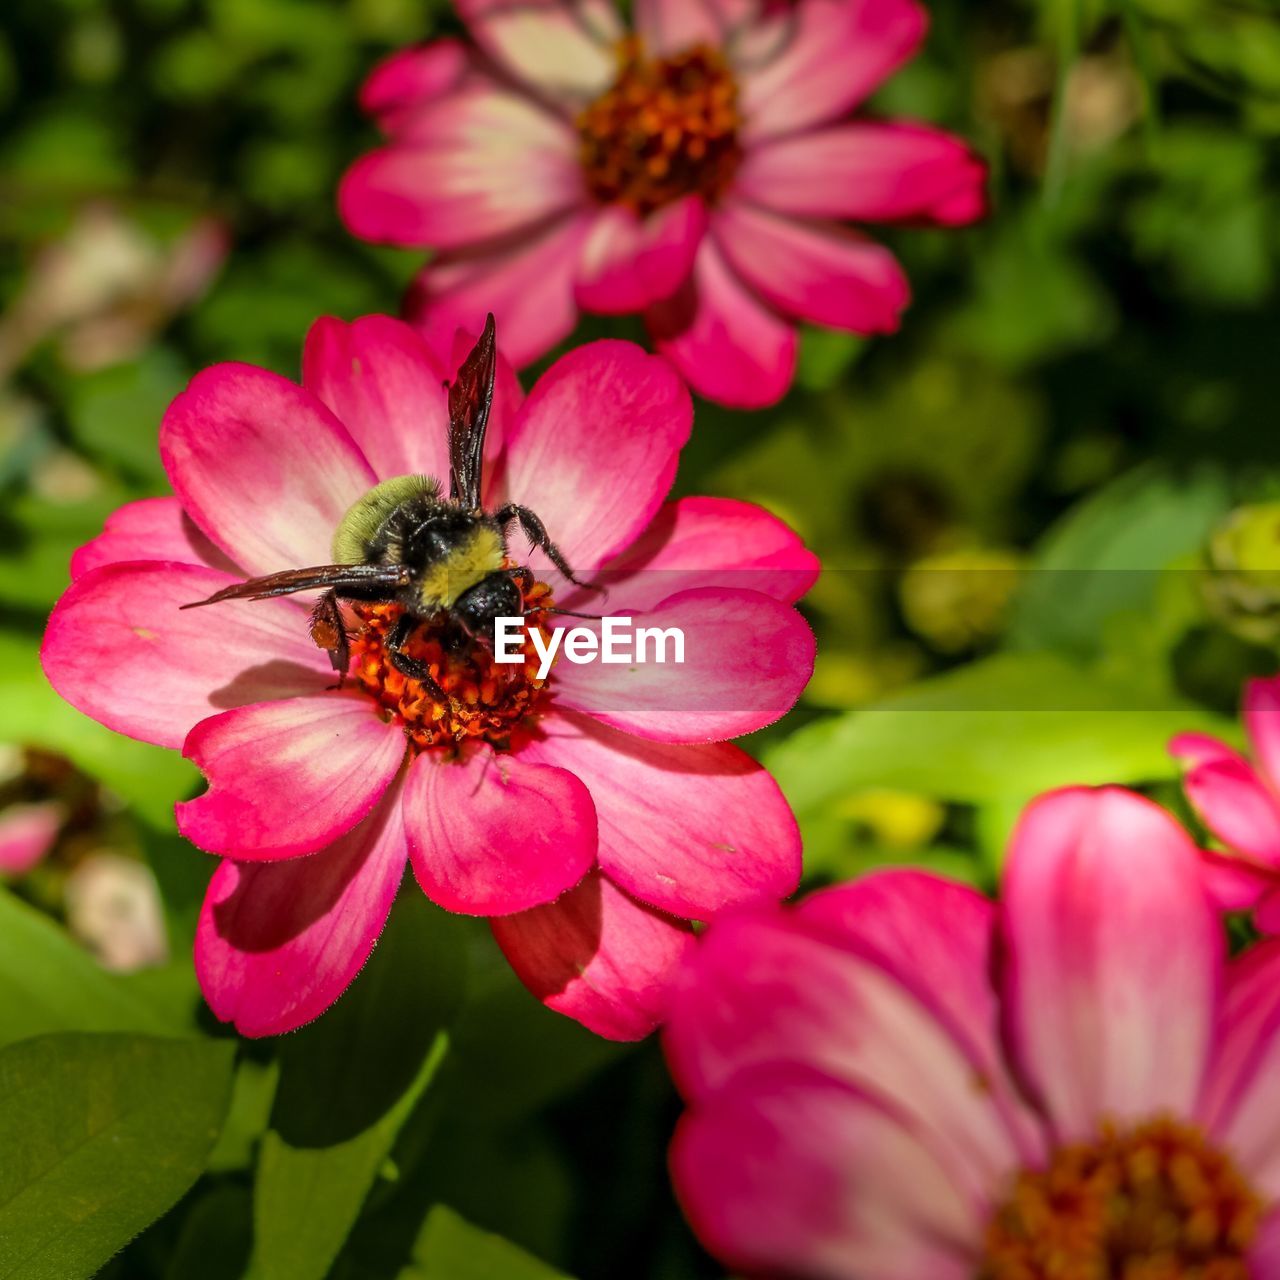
(1014, 724)
(450, 1248)
(1106, 556)
(102, 1134)
(216, 1237)
(150, 778)
(347, 1085)
(51, 984)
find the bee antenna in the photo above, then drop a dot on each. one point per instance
(572, 613)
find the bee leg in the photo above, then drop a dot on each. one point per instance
(523, 577)
(537, 534)
(411, 668)
(330, 633)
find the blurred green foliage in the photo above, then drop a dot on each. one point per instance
(1082, 392)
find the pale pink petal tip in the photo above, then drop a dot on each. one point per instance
(27, 834)
(599, 957)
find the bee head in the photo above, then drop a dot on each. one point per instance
(477, 608)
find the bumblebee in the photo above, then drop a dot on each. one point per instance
(405, 543)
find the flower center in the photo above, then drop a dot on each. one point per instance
(667, 128)
(1155, 1202)
(485, 700)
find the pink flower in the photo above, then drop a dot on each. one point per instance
(700, 172)
(899, 1078)
(595, 817)
(1240, 804)
(28, 833)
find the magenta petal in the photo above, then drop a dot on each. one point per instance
(279, 942)
(1235, 884)
(27, 833)
(747, 659)
(937, 938)
(1200, 748)
(868, 172)
(1240, 1107)
(1264, 1255)
(564, 48)
(490, 834)
(527, 282)
(826, 275)
(121, 649)
(149, 529)
(690, 830)
(706, 542)
(764, 992)
(477, 165)
(831, 55)
(789, 1173)
(595, 448)
(1238, 807)
(729, 346)
(599, 957)
(386, 388)
(261, 466)
(629, 262)
(1108, 1019)
(288, 778)
(1262, 720)
(1266, 918)
(399, 86)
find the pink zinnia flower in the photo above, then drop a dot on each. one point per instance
(595, 814)
(1239, 801)
(899, 1078)
(700, 171)
(28, 833)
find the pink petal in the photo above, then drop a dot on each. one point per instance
(121, 649)
(27, 834)
(1200, 748)
(869, 172)
(490, 833)
(629, 262)
(1240, 1107)
(595, 449)
(1115, 959)
(399, 86)
(1238, 807)
(386, 388)
(564, 48)
(1262, 721)
(1235, 884)
(672, 26)
(287, 778)
(149, 529)
(261, 466)
(689, 830)
(827, 275)
(706, 542)
(598, 957)
(747, 659)
(937, 938)
(1266, 918)
(727, 344)
(792, 1174)
(834, 54)
(1264, 1256)
(477, 165)
(279, 942)
(527, 282)
(762, 992)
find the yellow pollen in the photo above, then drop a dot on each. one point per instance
(667, 128)
(485, 700)
(1155, 1202)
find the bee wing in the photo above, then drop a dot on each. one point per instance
(383, 577)
(470, 398)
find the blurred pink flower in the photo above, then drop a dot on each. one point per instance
(899, 1078)
(1239, 801)
(700, 172)
(27, 834)
(596, 815)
